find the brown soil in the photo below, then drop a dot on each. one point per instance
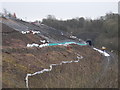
(93, 71)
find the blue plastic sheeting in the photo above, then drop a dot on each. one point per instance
(81, 44)
(54, 44)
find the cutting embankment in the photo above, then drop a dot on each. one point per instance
(93, 70)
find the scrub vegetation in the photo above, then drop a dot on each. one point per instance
(93, 71)
(103, 31)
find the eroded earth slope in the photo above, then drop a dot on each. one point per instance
(94, 70)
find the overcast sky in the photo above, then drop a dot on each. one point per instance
(62, 10)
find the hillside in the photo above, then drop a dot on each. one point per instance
(102, 31)
(93, 70)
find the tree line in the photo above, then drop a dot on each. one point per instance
(103, 31)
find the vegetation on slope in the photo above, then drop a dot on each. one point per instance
(92, 71)
(103, 31)
(89, 72)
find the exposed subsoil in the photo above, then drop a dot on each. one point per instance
(93, 71)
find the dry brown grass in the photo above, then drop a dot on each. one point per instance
(17, 63)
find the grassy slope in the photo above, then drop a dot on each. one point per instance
(83, 74)
(19, 60)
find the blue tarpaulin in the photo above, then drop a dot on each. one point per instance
(54, 44)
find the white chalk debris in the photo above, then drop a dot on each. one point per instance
(73, 37)
(51, 66)
(33, 45)
(37, 45)
(33, 32)
(43, 45)
(62, 33)
(43, 41)
(102, 52)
